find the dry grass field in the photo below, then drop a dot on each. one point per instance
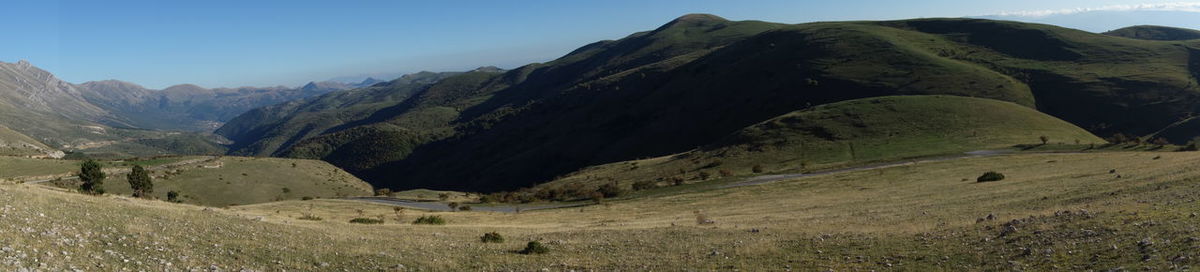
(1097, 211)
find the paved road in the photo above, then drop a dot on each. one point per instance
(440, 206)
(773, 178)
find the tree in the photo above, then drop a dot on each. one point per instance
(1044, 139)
(139, 181)
(92, 176)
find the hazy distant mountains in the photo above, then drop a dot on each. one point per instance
(194, 108)
(119, 117)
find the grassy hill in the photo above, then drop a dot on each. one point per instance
(852, 132)
(14, 143)
(1053, 212)
(240, 180)
(205, 180)
(700, 78)
(1156, 33)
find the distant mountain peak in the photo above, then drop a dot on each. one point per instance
(699, 17)
(488, 69)
(693, 20)
(369, 81)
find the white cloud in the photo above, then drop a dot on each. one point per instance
(1176, 6)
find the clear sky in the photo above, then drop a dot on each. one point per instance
(264, 42)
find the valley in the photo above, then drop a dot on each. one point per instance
(704, 144)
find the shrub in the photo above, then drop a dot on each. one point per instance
(712, 164)
(725, 172)
(492, 237)
(310, 217)
(489, 198)
(644, 185)
(453, 205)
(364, 220)
(173, 196)
(430, 220)
(286, 190)
(464, 208)
(676, 180)
(610, 190)
(383, 192)
(534, 247)
(990, 176)
(443, 196)
(92, 176)
(306, 198)
(1044, 139)
(705, 175)
(139, 181)
(757, 168)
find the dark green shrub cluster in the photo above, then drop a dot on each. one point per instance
(644, 185)
(610, 190)
(534, 247)
(93, 176)
(173, 196)
(364, 220)
(139, 181)
(492, 237)
(990, 176)
(430, 220)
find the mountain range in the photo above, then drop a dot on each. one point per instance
(699, 79)
(698, 90)
(126, 118)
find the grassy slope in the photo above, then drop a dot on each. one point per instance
(1156, 33)
(854, 132)
(242, 180)
(264, 178)
(14, 143)
(12, 167)
(914, 217)
(269, 130)
(700, 78)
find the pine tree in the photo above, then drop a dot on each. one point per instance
(92, 176)
(139, 181)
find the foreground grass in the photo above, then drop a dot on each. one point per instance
(915, 217)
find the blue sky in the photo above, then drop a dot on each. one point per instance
(236, 43)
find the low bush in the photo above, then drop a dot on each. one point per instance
(310, 217)
(430, 220)
(644, 185)
(364, 220)
(610, 190)
(464, 208)
(534, 247)
(492, 237)
(990, 176)
(757, 168)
